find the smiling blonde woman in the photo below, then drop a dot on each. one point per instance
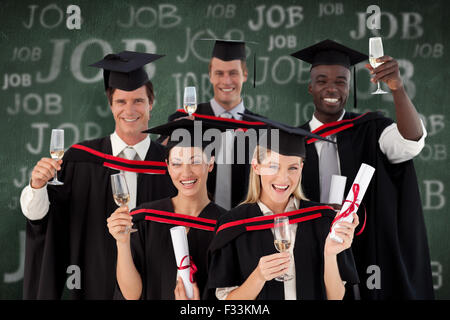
(243, 259)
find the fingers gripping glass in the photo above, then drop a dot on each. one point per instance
(121, 194)
(375, 52)
(57, 151)
(282, 240)
(190, 100)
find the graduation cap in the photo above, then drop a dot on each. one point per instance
(329, 52)
(228, 50)
(191, 134)
(291, 140)
(125, 70)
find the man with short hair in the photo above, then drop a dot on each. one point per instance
(393, 240)
(227, 74)
(66, 225)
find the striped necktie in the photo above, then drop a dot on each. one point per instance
(131, 177)
(328, 165)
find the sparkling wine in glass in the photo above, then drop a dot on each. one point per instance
(190, 100)
(282, 240)
(57, 151)
(375, 52)
(121, 194)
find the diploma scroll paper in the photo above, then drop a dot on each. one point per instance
(181, 250)
(352, 203)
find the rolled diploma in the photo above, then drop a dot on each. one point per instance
(337, 189)
(363, 178)
(181, 249)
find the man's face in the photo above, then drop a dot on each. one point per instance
(131, 111)
(227, 78)
(329, 86)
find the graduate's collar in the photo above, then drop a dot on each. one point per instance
(218, 109)
(315, 123)
(292, 205)
(118, 145)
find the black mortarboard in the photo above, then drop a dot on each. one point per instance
(291, 140)
(329, 52)
(125, 70)
(228, 50)
(193, 134)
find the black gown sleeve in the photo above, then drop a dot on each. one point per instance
(223, 271)
(46, 244)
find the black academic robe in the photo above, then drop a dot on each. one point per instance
(239, 244)
(74, 232)
(152, 248)
(394, 236)
(239, 171)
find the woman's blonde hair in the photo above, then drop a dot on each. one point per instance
(254, 183)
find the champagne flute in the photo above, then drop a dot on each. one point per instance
(57, 151)
(190, 100)
(376, 51)
(282, 240)
(121, 194)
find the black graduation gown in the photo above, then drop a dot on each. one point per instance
(152, 248)
(394, 238)
(239, 172)
(74, 231)
(236, 250)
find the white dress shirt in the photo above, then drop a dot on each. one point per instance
(35, 202)
(396, 148)
(290, 287)
(218, 109)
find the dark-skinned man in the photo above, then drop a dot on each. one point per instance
(391, 249)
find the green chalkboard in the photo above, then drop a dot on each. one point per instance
(45, 81)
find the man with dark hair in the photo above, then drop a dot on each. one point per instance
(393, 239)
(227, 74)
(66, 229)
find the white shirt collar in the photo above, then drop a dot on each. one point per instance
(218, 109)
(292, 205)
(118, 145)
(315, 123)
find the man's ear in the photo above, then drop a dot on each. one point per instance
(310, 88)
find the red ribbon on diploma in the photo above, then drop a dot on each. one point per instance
(192, 266)
(352, 207)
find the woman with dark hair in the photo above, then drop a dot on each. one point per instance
(146, 264)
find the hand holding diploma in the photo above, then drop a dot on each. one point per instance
(180, 291)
